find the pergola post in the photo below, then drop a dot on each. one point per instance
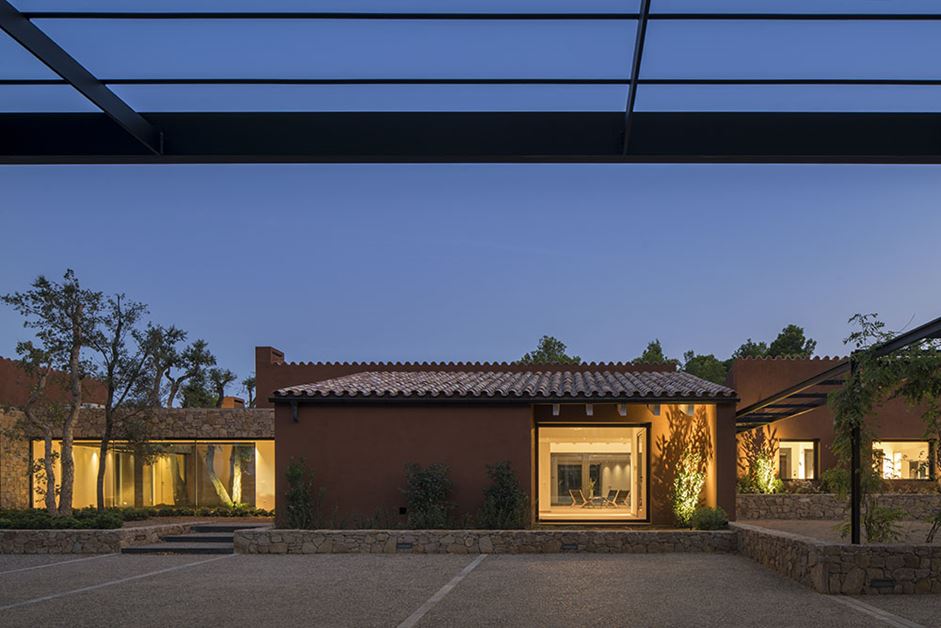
(856, 497)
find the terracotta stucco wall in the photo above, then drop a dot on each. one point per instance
(16, 385)
(358, 452)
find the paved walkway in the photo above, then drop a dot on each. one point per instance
(438, 590)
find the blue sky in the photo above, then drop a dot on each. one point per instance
(476, 262)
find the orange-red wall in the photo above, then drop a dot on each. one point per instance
(16, 385)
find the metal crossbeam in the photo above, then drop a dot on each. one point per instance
(59, 61)
(636, 63)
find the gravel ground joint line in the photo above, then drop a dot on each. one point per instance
(883, 615)
(412, 620)
(56, 563)
(110, 583)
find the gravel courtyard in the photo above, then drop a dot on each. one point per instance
(435, 590)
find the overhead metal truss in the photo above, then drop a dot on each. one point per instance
(813, 392)
(121, 135)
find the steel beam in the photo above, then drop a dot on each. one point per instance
(639, 38)
(62, 63)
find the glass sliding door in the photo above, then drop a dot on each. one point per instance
(170, 473)
(592, 473)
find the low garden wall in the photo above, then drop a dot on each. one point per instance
(274, 541)
(843, 569)
(828, 506)
(84, 541)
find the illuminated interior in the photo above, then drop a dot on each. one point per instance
(592, 473)
(169, 473)
(902, 460)
(797, 460)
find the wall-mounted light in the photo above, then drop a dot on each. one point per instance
(589, 409)
(654, 408)
(556, 408)
(622, 409)
(689, 409)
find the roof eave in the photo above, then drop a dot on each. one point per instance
(502, 400)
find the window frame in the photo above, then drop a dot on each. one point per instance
(932, 457)
(816, 442)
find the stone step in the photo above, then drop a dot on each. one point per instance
(227, 527)
(181, 548)
(199, 537)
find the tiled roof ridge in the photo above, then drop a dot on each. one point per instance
(511, 384)
(795, 358)
(469, 363)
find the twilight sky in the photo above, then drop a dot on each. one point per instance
(440, 262)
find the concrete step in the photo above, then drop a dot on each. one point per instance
(199, 537)
(227, 527)
(181, 548)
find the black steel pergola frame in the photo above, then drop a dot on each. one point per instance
(813, 392)
(122, 135)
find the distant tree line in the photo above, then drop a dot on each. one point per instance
(792, 341)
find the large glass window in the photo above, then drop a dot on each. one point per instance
(592, 473)
(170, 473)
(797, 459)
(902, 460)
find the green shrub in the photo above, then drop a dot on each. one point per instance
(706, 518)
(427, 492)
(505, 504)
(303, 503)
(687, 487)
(41, 520)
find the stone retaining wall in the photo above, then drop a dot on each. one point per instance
(480, 541)
(828, 506)
(843, 569)
(84, 541)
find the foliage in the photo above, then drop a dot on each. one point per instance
(653, 354)
(188, 365)
(758, 462)
(427, 493)
(792, 343)
(935, 526)
(687, 487)
(248, 385)
(220, 378)
(751, 349)
(34, 519)
(706, 518)
(707, 367)
(836, 480)
(549, 351)
(505, 504)
(881, 523)
(303, 502)
(62, 317)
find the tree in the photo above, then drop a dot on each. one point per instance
(123, 352)
(40, 415)
(792, 343)
(653, 354)
(248, 385)
(549, 351)
(62, 317)
(197, 393)
(707, 367)
(192, 362)
(164, 356)
(220, 378)
(751, 349)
